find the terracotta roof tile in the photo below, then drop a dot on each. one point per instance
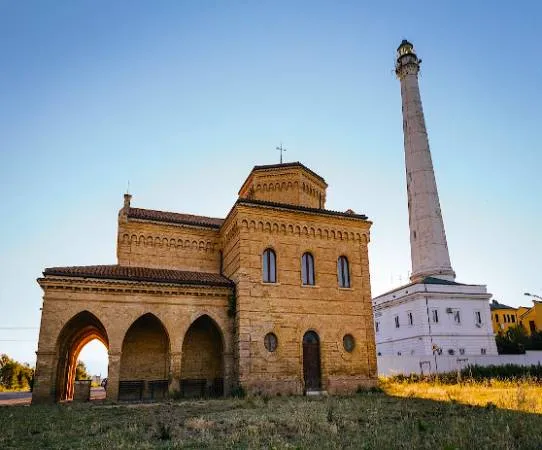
(171, 217)
(115, 272)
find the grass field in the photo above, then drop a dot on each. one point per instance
(393, 419)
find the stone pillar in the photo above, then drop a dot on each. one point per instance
(428, 246)
(113, 376)
(175, 372)
(228, 373)
(44, 378)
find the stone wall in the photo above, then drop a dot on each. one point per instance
(145, 351)
(116, 306)
(167, 246)
(202, 351)
(288, 309)
(292, 185)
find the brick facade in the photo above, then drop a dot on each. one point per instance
(187, 303)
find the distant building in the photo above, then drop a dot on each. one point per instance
(434, 313)
(503, 317)
(531, 318)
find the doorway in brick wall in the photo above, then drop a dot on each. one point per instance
(311, 361)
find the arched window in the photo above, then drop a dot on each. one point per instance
(269, 266)
(343, 272)
(307, 269)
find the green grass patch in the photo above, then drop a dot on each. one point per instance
(368, 420)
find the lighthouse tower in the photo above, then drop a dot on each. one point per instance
(433, 315)
(428, 247)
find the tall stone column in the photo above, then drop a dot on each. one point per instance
(428, 246)
(113, 376)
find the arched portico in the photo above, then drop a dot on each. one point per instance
(145, 360)
(78, 331)
(202, 366)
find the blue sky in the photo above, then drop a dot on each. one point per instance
(183, 98)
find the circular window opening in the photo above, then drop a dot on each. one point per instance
(271, 342)
(349, 343)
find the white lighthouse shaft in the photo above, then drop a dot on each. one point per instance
(428, 247)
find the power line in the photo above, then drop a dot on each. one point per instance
(18, 328)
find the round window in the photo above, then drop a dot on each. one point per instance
(349, 343)
(270, 341)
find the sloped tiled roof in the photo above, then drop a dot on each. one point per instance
(425, 280)
(496, 305)
(290, 164)
(287, 206)
(171, 217)
(434, 280)
(145, 274)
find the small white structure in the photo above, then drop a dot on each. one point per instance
(434, 314)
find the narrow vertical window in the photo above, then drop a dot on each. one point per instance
(269, 266)
(377, 326)
(434, 313)
(410, 318)
(478, 317)
(343, 272)
(457, 317)
(496, 317)
(307, 269)
(396, 321)
(513, 319)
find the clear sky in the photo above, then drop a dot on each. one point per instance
(183, 98)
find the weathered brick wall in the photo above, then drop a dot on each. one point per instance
(168, 246)
(202, 352)
(145, 351)
(289, 309)
(288, 185)
(117, 306)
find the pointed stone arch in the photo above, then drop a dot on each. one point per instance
(202, 364)
(82, 328)
(145, 359)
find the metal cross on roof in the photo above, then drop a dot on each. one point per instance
(281, 149)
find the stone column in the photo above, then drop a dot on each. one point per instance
(428, 246)
(113, 376)
(228, 372)
(44, 378)
(175, 372)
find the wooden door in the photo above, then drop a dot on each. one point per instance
(311, 361)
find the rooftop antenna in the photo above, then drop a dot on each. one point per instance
(281, 149)
(128, 187)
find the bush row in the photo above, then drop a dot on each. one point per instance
(507, 372)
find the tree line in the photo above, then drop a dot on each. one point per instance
(14, 375)
(20, 376)
(516, 340)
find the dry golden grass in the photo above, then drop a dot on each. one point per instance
(516, 395)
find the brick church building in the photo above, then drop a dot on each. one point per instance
(274, 298)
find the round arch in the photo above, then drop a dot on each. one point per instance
(202, 365)
(76, 333)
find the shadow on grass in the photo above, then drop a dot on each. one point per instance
(367, 420)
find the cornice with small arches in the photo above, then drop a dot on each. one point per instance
(169, 243)
(308, 188)
(307, 231)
